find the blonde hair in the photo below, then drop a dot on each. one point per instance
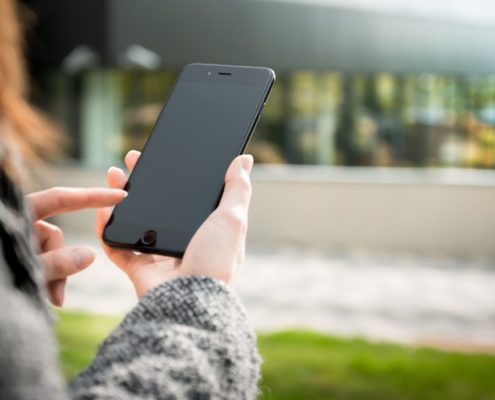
(26, 136)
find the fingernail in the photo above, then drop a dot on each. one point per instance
(247, 163)
(83, 257)
(114, 168)
(120, 191)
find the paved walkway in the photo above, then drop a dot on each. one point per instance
(399, 297)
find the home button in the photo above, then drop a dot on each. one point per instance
(149, 238)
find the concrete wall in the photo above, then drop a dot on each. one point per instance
(448, 211)
(418, 212)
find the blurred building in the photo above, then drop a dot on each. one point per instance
(381, 83)
(357, 85)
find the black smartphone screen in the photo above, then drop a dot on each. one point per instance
(176, 184)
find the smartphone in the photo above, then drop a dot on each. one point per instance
(206, 122)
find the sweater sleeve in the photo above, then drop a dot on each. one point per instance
(186, 339)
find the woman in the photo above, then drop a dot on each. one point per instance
(186, 338)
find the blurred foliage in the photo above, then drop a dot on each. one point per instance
(306, 365)
(327, 117)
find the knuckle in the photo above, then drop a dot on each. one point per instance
(56, 190)
(56, 231)
(57, 194)
(244, 183)
(38, 225)
(237, 218)
(57, 265)
(60, 263)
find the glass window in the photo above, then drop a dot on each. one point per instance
(316, 117)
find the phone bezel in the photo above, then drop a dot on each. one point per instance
(199, 71)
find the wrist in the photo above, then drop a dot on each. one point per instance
(149, 277)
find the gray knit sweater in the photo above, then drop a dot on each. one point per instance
(186, 339)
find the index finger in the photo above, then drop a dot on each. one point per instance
(58, 200)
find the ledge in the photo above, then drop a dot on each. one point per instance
(374, 175)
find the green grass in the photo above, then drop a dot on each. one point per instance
(306, 365)
(78, 337)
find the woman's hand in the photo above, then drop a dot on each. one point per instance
(59, 261)
(217, 248)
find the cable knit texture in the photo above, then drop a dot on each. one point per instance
(186, 339)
